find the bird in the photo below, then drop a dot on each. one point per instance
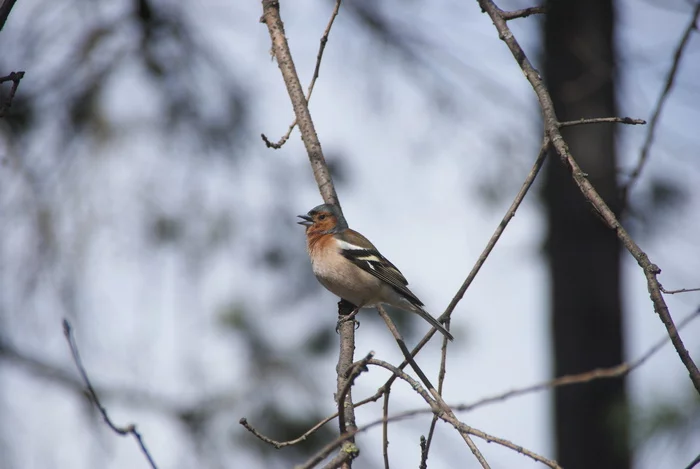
(349, 266)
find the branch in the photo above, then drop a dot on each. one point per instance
(321, 48)
(524, 13)
(551, 125)
(435, 408)
(385, 429)
(600, 120)
(682, 290)
(347, 453)
(15, 78)
(122, 431)
(670, 79)
(599, 373)
(346, 409)
(444, 408)
(426, 444)
(5, 9)
(280, 49)
(349, 378)
(694, 462)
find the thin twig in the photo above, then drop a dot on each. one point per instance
(425, 450)
(599, 373)
(385, 429)
(600, 120)
(682, 290)
(424, 379)
(423, 453)
(129, 429)
(551, 124)
(280, 49)
(15, 78)
(694, 462)
(670, 79)
(524, 13)
(5, 9)
(319, 56)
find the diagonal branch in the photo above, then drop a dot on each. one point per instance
(15, 78)
(441, 404)
(321, 48)
(5, 9)
(280, 50)
(551, 125)
(524, 13)
(122, 431)
(580, 378)
(670, 79)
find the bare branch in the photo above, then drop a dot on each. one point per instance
(15, 78)
(435, 408)
(347, 453)
(129, 429)
(423, 453)
(682, 290)
(551, 125)
(581, 378)
(5, 9)
(694, 462)
(282, 444)
(321, 48)
(436, 395)
(351, 373)
(280, 49)
(524, 13)
(670, 79)
(346, 409)
(385, 429)
(355, 371)
(425, 448)
(600, 373)
(600, 120)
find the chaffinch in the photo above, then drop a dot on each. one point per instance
(348, 265)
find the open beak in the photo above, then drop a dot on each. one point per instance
(306, 220)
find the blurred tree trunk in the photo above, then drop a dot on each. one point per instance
(584, 256)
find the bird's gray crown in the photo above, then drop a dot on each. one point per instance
(335, 210)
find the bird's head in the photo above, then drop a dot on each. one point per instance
(326, 218)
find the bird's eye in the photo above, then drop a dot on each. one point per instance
(322, 216)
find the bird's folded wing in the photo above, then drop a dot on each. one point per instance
(361, 252)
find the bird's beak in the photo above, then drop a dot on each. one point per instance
(306, 220)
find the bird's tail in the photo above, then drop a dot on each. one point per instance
(433, 322)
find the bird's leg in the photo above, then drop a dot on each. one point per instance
(346, 312)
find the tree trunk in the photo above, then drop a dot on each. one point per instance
(584, 255)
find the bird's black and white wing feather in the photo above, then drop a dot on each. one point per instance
(361, 252)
